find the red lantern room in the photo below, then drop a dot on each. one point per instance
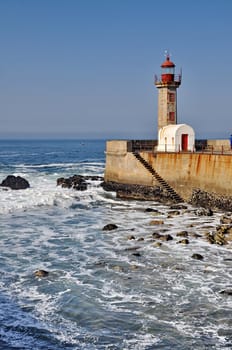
(168, 70)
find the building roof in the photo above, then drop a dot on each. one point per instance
(167, 63)
(173, 129)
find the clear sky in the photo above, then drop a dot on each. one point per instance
(85, 68)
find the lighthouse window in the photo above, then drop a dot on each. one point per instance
(171, 97)
(171, 116)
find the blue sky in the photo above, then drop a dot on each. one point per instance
(85, 68)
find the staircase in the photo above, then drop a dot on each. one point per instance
(162, 182)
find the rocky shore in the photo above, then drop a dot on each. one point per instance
(199, 198)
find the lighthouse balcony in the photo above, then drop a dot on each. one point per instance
(167, 79)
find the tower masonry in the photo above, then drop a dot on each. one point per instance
(167, 85)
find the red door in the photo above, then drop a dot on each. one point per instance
(184, 142)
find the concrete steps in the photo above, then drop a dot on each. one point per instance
(162, 182)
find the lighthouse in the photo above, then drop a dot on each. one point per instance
(172, 137)
(167, 85)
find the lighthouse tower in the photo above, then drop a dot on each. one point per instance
(167, 85)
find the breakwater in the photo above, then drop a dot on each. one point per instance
(199, 178)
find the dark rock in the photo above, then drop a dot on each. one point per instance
(15, 182)
(166, 237)
(131, 237)
(77, 182)
(197, 256)
(109, 227)
(138, 192)
(196, 235)
(173, 212)
(151, 210)
(156, 235)
(204, 212)
(182, 234)
(41, 273)
(209, 237)
(178, 206)
(226, 220)
(205, 199)
(136, 254)
(140, 239)
(226, 291)
(183, 241)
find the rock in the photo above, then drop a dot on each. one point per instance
(166, 237)
(219, 238)
(151, 210)
(196, 235)
(41, 273)
(182, 234)
(183, 241)
(197, 256)
(77, 182)
(209, 237)
(226, 220)
(157, 244)
(174, 212)
(110, 227)
(178, 206)
(131, 237)
(136, 254)
(15, 182)
(226, 291)
(139, 192)
(204, 212)
(140, 239)
(156, 222)
(156, 235)
(205, 199)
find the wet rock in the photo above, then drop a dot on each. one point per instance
(182, 234)
(136, 254)
(217, 237)
(211, 200)
(173, 212)
(167, 237)
(77, 182)
(131, 237)
(178, 206)
(139, 192)
(226, 292)
(197, 256)
(157, 244)
(209, 237)
(140, 239)
(196, 235)
(156, 222)
(110, 227)
(183, 241)
(156, 235)
(151, 210)
(204, 212)
(15, 182)
(226, 220)
(41, 273)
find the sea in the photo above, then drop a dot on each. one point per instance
(111, 290)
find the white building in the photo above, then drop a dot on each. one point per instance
(176, 138)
